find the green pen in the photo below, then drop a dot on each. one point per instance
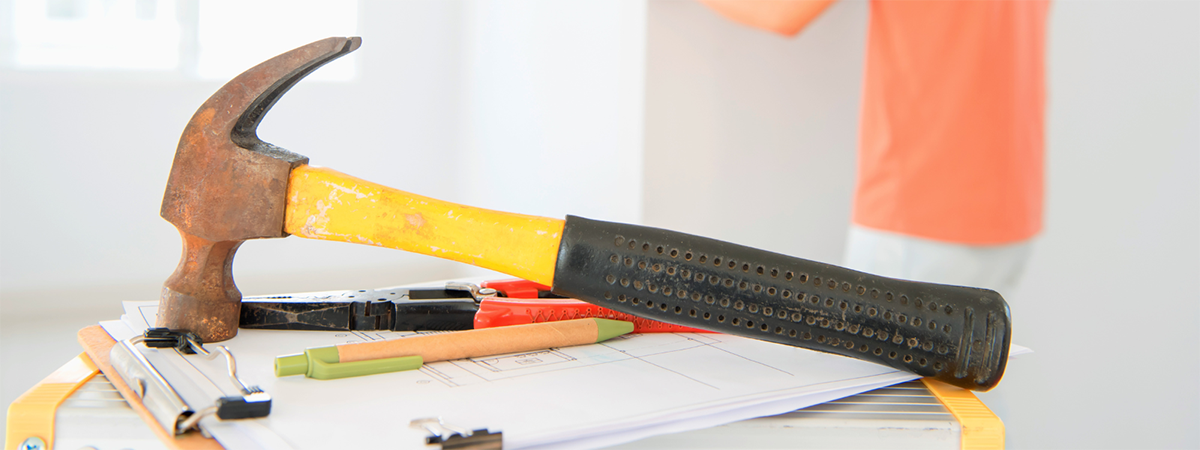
(368, 358)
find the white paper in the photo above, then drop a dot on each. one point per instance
(617, 391)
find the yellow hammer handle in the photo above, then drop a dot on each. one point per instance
(326, 204)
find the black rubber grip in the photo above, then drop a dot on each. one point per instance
(959, 335)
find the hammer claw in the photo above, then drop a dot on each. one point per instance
(301, 62)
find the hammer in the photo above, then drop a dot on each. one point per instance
(227, 186)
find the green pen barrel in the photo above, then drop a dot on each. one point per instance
(322, 363)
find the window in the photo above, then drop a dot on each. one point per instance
(212, 39)
(96, 34)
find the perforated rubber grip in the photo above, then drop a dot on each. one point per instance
(959, 335)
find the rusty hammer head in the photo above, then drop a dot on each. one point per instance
(227, 186)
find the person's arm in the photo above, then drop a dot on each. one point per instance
(786, 17)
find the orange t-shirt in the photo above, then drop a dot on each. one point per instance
(953, 118)
(951, 138)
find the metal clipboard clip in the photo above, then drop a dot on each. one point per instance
(175, 415)
(452, 437)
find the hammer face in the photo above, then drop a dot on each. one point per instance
(200, 296)
(226, 186)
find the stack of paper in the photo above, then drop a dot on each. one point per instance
(588, 396)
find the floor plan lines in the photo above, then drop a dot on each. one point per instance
(523, 360)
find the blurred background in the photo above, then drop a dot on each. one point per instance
(653, 112)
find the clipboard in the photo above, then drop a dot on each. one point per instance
(979, 427)
(98, 347)
(31, 420)
(97, 344)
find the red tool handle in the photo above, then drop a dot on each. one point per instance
(517, 288)
(501, 311)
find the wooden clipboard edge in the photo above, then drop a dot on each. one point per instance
(96, 343)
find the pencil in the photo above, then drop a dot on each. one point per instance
(348, 360)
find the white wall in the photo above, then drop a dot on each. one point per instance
(552, 107)
(750, 138)
(1111, 301)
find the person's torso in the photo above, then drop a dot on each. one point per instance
(952, 121)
